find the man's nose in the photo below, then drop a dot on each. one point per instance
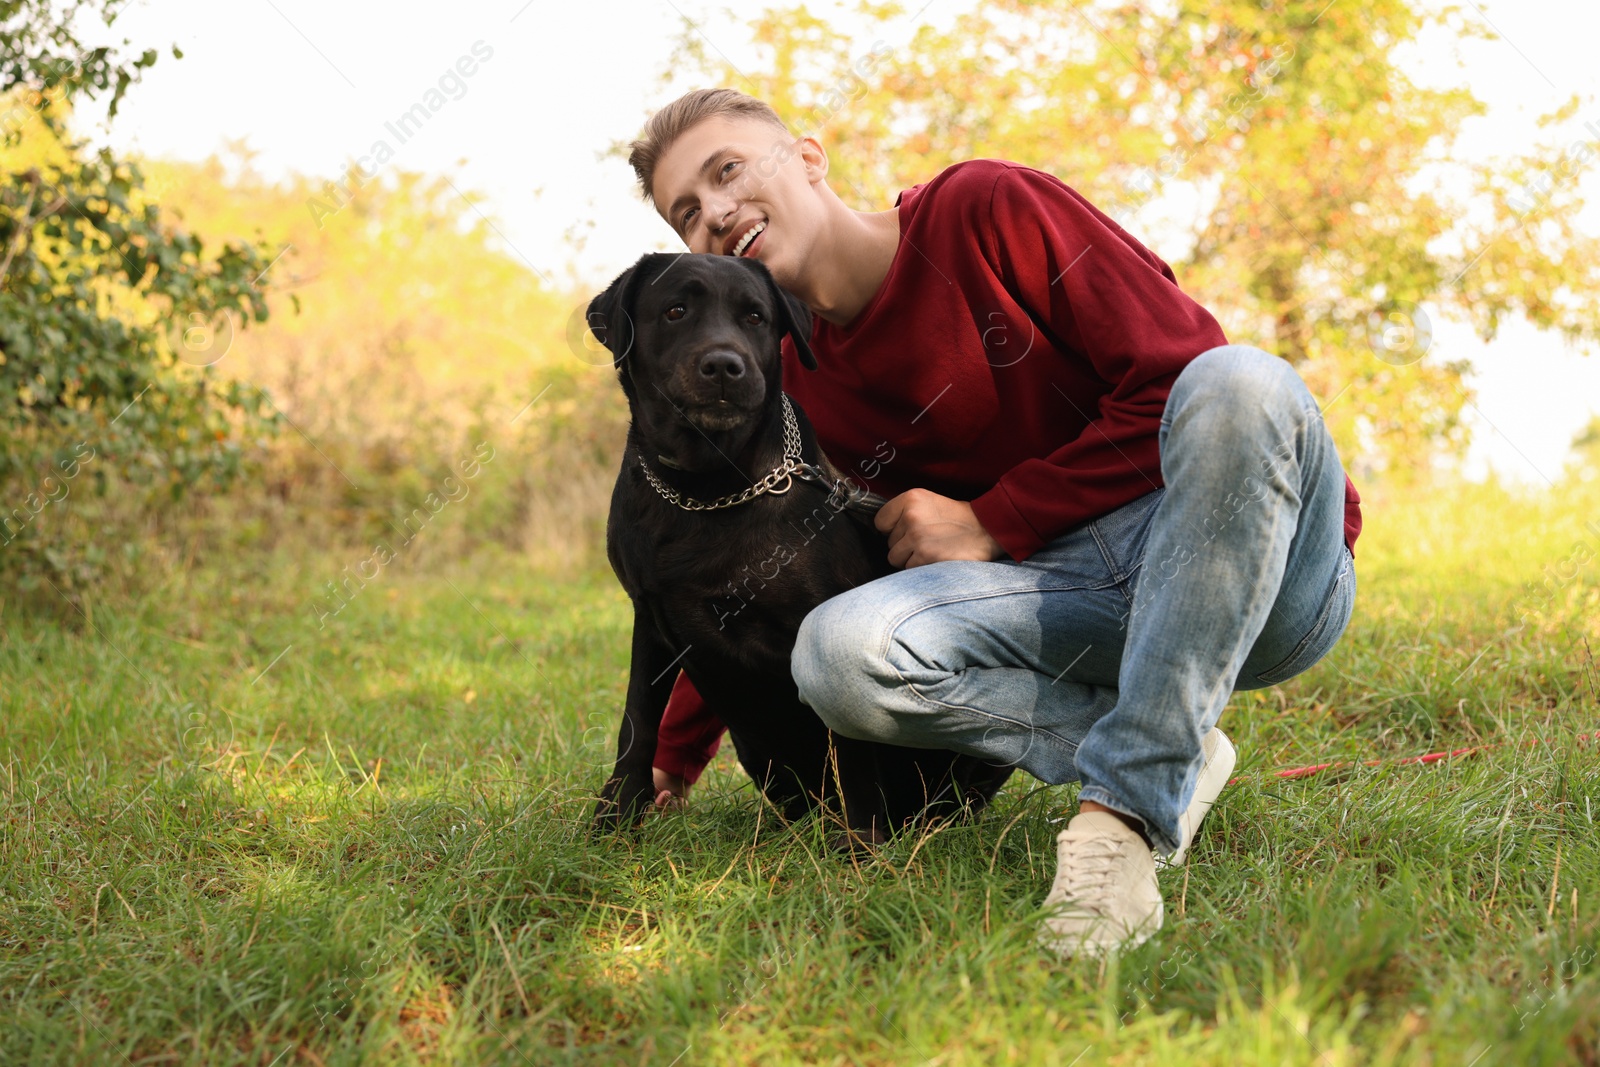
(723, 210)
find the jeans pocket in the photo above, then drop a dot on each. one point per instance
(1122, 534)
(1327, 630)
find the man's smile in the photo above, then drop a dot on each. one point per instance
(742, 240)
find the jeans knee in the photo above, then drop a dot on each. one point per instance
(832, 663)
(1238, 392)
(1242, 378)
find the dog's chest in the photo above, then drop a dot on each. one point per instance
(736, 587)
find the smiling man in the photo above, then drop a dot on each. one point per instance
(1107, 518)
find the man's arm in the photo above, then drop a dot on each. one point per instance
(1098, 291)
(689, 737)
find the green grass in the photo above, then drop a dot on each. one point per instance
(375, 850)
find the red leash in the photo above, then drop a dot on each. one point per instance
(1430, 757)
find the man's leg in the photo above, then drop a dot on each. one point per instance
(1241, 579)
(1248, 534)
(1018, 662)
(1011, 662)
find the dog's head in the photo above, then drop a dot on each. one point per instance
(695, 339)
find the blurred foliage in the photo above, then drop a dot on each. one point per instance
(409, 318)
(41, 49)
(1282, 144)
(93, 278)
(414, 334)
(402, 336)
(1586, 444)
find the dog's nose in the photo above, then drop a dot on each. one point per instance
(721, 364)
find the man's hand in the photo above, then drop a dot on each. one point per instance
(924, 527)
(672, 792)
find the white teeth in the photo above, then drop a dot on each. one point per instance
(750, 235)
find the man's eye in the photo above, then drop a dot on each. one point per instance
(726, 167)
(687, 215)
(676, 312)
(754, 318)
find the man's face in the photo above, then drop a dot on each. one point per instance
(728, 178)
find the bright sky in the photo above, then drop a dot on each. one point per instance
(311, 84)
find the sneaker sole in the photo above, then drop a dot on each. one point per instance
(1221, 757)
(1068, 946)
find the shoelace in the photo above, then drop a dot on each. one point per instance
(1087, 864)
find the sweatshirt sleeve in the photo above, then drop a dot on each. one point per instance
(689, 735)
(1103, 296)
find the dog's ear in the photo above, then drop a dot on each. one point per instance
(610, 315)
(794, 318)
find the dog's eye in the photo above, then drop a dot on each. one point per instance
(754, 318)
(676, 312)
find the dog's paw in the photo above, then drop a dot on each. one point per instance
(859, 844)
(622, 804)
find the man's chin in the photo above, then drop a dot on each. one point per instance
(775, 267)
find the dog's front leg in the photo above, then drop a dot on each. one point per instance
(630, 790)
(862, 785)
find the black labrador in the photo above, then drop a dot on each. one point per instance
(727, 526)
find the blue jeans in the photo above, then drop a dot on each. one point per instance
(1107, 655)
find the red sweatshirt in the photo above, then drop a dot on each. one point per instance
(1018, 355)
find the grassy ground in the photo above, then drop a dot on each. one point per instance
(231, 836)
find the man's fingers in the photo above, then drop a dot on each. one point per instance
(911, 548)
(923, 527)
(888, 516)
(897, 534)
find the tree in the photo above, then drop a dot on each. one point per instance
(1326, 206)
(109, 313)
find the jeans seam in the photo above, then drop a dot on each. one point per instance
(986, 716)
(918, 609)
(1123, 575)
(1113, 568)
(911, 687)
(894, 626)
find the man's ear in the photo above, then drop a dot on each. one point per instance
(794, 318)
(610, 315)
(815, 158)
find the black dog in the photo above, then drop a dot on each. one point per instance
(727, 526)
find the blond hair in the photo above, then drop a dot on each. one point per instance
(689, 110)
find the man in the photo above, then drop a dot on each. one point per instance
(1108, 517)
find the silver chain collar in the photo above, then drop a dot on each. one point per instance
(783, 474)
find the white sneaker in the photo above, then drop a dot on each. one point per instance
(1104, 896)
(1221, 757)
